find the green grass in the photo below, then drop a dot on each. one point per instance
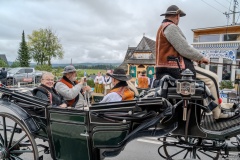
(80, 72)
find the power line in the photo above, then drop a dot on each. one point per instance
(212, 6)
(221, 4)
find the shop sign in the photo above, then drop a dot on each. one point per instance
(228, 54)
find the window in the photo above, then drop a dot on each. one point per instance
(30, 70)
(231, 37)
(213, 67)
(21, 71)
(209, 38)
(226, 73)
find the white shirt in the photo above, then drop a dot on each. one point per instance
(111, 97)
(107, 80)
(98, 79)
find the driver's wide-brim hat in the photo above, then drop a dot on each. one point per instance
(173, 10)
(119, 74)
(69, 69)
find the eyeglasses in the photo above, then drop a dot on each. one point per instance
(48, 79)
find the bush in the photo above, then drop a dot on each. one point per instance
(44, 67)
(90, 83)
(226, 84)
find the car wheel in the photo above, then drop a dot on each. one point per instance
(10, 82)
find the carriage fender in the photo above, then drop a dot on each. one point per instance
(17, 111)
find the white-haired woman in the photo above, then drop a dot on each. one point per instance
(46, 91)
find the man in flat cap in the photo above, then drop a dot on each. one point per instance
(171, 42)
(71, 89)
(121, 90)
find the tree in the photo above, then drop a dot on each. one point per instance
(44, 45)
(15, 64)
(3, 63)
(23, 53)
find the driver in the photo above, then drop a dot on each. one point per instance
(170, 41)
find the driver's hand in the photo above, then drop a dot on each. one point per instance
(205, 60)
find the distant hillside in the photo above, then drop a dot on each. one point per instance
(75, 64)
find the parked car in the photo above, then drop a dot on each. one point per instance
(22, 74)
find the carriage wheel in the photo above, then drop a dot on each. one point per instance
(16, 143)
(178, 148)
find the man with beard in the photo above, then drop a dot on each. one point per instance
(72, 90)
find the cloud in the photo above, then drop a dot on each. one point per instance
(97, 30)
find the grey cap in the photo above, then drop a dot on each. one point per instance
(172, 10)
(69, 69)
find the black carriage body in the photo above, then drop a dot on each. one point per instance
(90, 134)
(103, 130)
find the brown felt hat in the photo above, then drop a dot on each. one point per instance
(119, 74)
(172, 10)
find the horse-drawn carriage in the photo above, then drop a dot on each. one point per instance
(174, 113)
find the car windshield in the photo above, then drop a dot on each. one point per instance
(13, 71)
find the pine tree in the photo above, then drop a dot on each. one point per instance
(23, 53)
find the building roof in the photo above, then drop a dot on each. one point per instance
(3, 57)
(141, 61)
(145, 45)
(237, 26)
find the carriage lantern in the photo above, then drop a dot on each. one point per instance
(186, 85)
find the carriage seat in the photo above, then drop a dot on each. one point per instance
(221, 128)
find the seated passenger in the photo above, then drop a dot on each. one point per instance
(46, 91)
(121, 90)
(72, 90)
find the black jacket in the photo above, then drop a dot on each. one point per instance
(44, 92)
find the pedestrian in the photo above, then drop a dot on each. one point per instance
(107, 82)
(143, 80)
(98, 83)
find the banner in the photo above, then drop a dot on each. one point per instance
(150, 71)
(228, 54)
(132, 71)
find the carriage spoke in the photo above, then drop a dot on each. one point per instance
(198, 156)
(177, 153)
(4, 131)
(185, 155)
(206, 154)
(18, 141)
(15, 158)
(21, 151)
(10, 141)
(1, 139)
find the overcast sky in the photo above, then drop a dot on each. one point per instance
(101, 30)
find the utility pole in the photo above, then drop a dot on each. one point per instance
(233, 12)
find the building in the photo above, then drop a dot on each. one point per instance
(221, 45)
(140, 58)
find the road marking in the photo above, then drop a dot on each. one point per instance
(149, 141)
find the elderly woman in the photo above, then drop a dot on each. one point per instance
(46, 91)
